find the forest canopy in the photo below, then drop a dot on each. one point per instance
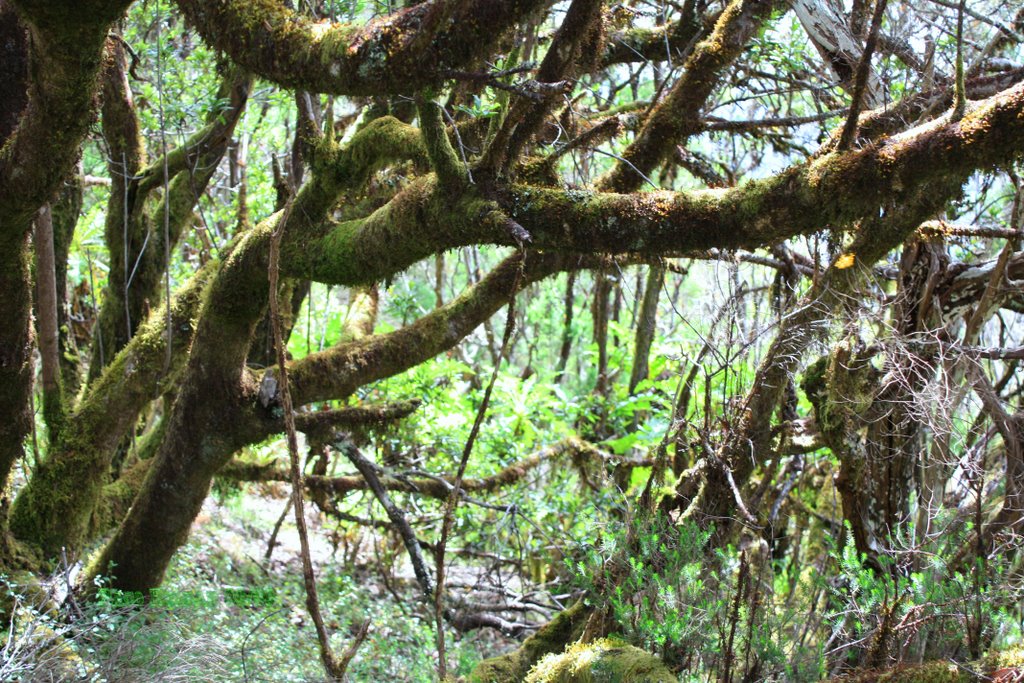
(657, 340)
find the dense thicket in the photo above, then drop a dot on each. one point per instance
(692, 328)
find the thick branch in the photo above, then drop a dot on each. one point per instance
(53, 509)
(400, 53)
(216, 389)
(14, 57)
(339, 371)
(831, 191)
(323, 423)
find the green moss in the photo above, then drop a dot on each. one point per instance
(1002, 660)
(54, 508)
(932, 672)
(943, 671)
(383, 141)
(602, 661)
(442, 155)
(117, 497)
(813, 383)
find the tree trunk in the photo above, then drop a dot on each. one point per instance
(646, 326)
(46, 320)
(569, 306)
(15, 350)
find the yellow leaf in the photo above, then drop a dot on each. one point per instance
(844, 261)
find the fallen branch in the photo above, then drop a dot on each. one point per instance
(431, 487)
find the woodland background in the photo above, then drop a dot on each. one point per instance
(691, 330)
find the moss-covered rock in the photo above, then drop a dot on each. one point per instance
(602, 661)
(513, 667)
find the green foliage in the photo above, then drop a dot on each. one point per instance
(967, 608)
(653, 581)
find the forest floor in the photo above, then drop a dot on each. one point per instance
(225, 613)
(361, 575)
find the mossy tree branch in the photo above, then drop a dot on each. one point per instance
(438, 488)
(567, 627)
(133, 232)
(679, 115)
(66, 50)
(800, 200)
(14, 54)
(451, 172)
(401, 53)
(340, 370)
(216, 391)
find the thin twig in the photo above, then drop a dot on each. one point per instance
(272, 543)
(331, 665)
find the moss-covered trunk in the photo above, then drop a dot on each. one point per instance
(15, 352)
(565, 628)
(53, 510)
(203, 428)
(64, 51)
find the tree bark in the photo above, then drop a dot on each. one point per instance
(49, 336)
(646, 326)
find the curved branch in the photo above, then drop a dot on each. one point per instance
(324, 422)
(834, 190)
(53, 509)
(400, 53)
(217, 390)
(678, 115)
(340, 370)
